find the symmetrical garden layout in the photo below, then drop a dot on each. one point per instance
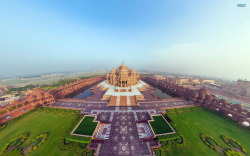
(170, 126)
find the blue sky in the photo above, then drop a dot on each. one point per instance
(189, 37)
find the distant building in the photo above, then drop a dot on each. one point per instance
(188, 80)
(241, 87)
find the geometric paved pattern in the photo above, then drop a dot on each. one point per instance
(124, 138)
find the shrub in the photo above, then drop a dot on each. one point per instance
(10, 108)
(230, 152)
(3, 126)
(65, 144)
(79, 149)
(2, 112)
(180, 143)
(157, 152)
(80, 139)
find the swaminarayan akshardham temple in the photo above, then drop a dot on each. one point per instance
(124, 104)
(123, 76)
(123, 86)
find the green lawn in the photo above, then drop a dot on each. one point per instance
(160, 126)
(36, 123)
(191, 124)
(87, 126)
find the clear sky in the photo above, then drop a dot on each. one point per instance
(190, 37)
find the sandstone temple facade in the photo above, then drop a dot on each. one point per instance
(123, 76)
(122, 87)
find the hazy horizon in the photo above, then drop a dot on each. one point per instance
(188, 37)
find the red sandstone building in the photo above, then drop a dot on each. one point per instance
(40, 97)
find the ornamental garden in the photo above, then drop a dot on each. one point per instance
(197, 130)
(122, 121)
(203, 131)
(47, 137)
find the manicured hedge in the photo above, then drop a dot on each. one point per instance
(80, 148)
(168, 137)
(80, 139)
(183, 109)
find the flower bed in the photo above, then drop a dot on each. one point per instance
(233, 143)
(17, 141)
(180, 143)
(37, 142)
(230, 152)
(210, 142)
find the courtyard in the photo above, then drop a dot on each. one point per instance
(124, 138)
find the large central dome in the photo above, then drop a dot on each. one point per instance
(123, 76)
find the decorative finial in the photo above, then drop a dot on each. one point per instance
(123, 62)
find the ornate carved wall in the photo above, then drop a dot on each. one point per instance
(123, 76)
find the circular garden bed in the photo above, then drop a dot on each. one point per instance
(210, 142)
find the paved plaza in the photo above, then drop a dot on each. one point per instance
(124, 138)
